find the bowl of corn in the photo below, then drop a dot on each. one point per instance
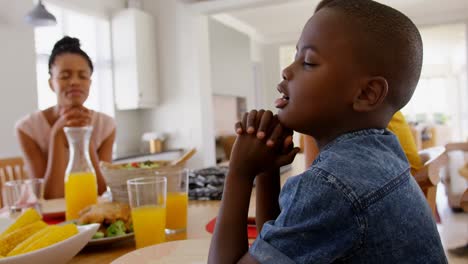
(30, 240)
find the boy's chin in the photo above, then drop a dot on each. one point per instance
(285, 119)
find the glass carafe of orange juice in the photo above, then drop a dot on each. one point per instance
(80, 178)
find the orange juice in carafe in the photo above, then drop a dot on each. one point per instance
(80, 179)
(80, 192)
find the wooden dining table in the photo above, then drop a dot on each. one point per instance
(199, 214)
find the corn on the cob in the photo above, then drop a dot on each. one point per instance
(28, 217)
(11, 240)
(52, 236)
(20, 248)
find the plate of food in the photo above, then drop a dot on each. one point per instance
(115, 222)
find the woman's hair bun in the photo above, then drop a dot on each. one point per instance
(67, 43)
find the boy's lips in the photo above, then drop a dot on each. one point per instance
(284, 100)
(281, 103)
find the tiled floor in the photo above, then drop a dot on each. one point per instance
(453, 230)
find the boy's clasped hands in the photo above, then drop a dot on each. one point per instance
(262, 144)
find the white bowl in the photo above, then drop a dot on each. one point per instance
(58, 253)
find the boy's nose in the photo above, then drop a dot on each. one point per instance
(286, 74)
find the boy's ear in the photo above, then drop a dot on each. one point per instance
(371, 95)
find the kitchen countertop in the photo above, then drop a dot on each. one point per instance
(178, 151)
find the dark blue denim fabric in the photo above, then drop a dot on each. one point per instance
(357, 203)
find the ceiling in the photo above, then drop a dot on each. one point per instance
(283, 22)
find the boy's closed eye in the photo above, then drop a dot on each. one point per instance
(309, 64)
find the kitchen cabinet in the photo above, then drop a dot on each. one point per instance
(135, 61)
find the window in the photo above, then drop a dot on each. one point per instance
(442, 90)
(94, 35)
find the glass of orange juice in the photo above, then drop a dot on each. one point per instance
(147, 198)
(177, 199)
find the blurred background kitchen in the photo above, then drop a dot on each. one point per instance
(177, 74)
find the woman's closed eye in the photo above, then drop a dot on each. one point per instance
(64, 76)
(84, 77)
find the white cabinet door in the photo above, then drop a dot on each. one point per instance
(134, 50)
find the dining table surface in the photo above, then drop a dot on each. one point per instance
(200, 213)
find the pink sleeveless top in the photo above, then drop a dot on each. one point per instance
(36, 126)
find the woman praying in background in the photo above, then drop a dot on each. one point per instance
(41, 135)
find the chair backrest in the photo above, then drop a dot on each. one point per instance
(435, 160)
(464, 201)
(11, 169)
(455, 198)
(227, 143)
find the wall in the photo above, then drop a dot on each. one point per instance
(225, 114)
(231, 64)
(271, 75)
(102, 8)
(17, 66)
(185, 108)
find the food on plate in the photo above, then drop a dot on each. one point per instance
(28, 217)
(49, 236)
(9, 241)
(115, 219)
(142, 165)
(29, 233)
(118, 228)
(137, 165)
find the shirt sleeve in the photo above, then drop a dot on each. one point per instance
(103, 126)
(24, 125)
(317, 223)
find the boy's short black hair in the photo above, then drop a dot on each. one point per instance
(390, 45)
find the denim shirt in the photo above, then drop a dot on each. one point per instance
(357, 203)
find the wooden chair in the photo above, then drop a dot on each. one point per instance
(452, 196)
(227, 142)
(464, 201)
(434, 159)
(11, 169)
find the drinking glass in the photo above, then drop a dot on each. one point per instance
(177, 199)
(21, 194)
(147, 198)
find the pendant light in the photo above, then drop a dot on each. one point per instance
(39, 16)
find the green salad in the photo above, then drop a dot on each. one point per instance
(142, 165)
(118, 228)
